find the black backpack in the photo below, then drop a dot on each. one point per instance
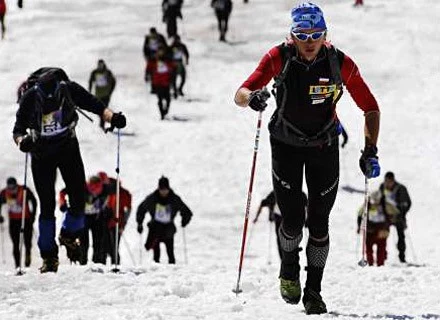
(50, 82)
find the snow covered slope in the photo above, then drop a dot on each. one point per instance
(208, 158)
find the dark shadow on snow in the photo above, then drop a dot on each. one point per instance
(384, 316)
(351, 189)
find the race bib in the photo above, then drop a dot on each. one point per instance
(162, 213)
(162, 67)
(177, 54)
(101, 80)
(51, 124)
(153, 44)
(14, 206)
(376, 216)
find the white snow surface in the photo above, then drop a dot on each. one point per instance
(208, 159)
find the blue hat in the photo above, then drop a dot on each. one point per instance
(307, 16)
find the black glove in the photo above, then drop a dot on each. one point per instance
(118, 120)
(27, 143)
(369, 162)
(257, 99)
(140, 228)
(2, 219)
(64, 207)
(185, 222)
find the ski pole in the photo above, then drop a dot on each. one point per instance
(363, 262)
(2, 230)
(269, 258)
(118, 186)
(23, 213)
(185, 252)
(140, 249)
(237, 289)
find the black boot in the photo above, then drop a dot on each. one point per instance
(313, 302)
(312, 299)
(49, 265)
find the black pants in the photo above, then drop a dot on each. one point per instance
(105, 100)
(222, 19)
(109, 244)
(2, 22)
(14, 232)
(164, 100)
(171, 26)
(277, 220)
(169, 244)
(401, 245)
(66, 157)
(181, 71)
(94, 225)
(321, 165)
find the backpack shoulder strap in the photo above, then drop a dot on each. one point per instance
(287, 53)
(335, 69)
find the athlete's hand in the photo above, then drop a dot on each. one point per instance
(258, 98)
(369, 162)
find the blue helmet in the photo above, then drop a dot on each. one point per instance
(307, 16)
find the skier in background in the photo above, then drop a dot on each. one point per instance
(110, 219)
(378, 229)
(104, 83)
(153, 41)
(12, 197)
(275, 214)
(303, 135)
(171, 9)
(2, 17)
(223, 9)
(180, 55)
(47, 108)
(358, 3)
(163, 205)
(162, 71)
(396, 199)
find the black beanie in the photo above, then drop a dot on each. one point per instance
(164, 183)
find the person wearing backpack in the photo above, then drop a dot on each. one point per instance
(223, 9)
(104, 83)
(45, 128)
(309, 74)
(2, 17)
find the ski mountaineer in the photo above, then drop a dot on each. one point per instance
(222, 9)
(378, 228)
(12, 197)
(48, 109)
(163, 205)
(180, 55)
(396, 200)
(104, 82)
(309, 73)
